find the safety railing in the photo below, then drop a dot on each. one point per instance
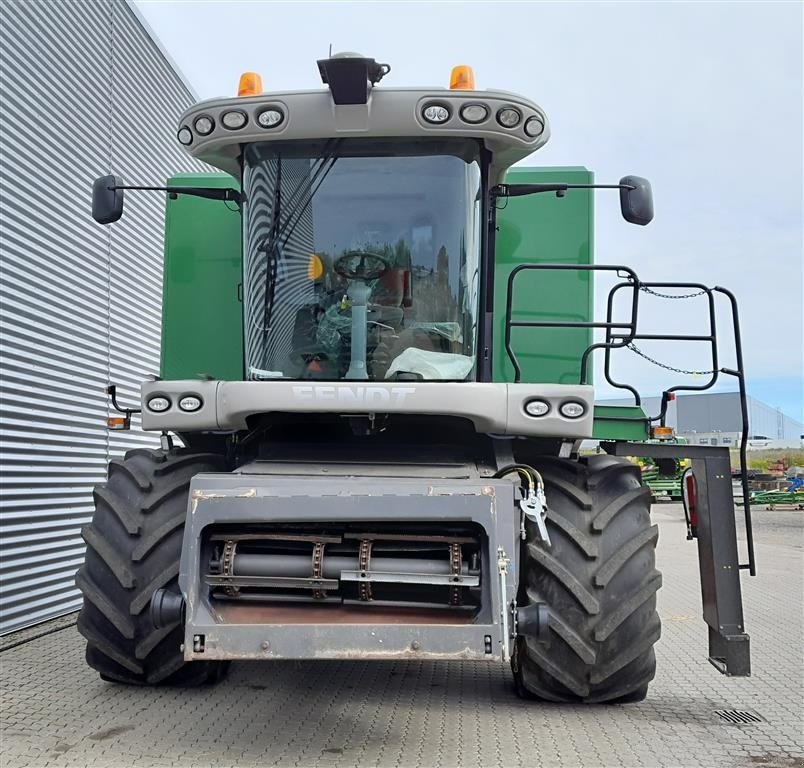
(620, 335)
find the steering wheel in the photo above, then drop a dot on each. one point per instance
(361, 265)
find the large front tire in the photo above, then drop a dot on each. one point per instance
(133, 548)
(599, 582)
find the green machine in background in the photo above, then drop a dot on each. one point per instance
(378, 341)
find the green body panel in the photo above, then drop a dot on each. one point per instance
(544, 229)
(202, 317)
(620, 422)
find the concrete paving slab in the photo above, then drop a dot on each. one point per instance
(57, 712)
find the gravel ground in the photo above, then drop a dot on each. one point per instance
(56, 712)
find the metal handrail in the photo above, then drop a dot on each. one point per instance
(509, 322)
(615, 340)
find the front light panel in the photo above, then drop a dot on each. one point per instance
(534, 127)
(436, 113)
(185, 136)
(158, 404)
(509, 117)
(234, 120)
(474, 113)
(204, 125)
(537, 408)
(572, 410)
(270, 118)
(190, 403)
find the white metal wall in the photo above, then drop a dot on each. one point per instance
(84, 89)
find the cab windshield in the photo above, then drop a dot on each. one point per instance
(362, 259)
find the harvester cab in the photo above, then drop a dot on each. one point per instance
(381, 458)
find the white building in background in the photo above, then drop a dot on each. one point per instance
(713, 418)
(85, 89)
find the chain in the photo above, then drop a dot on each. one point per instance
(455, 567)
(638, 351)
(227, 569)
(365, 561)
(318, 568)
(670, 295)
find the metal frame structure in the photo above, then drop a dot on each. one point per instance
(219, 629)
(616, 340)
(729, 645)
(716, 530)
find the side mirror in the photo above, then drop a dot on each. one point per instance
(107, 202)
(636, 200)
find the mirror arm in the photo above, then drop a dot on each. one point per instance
(211, 194)
(111, 390)
(517, 190)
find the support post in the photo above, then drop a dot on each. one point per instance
(729, 645)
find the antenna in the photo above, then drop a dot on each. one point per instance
(330, 50)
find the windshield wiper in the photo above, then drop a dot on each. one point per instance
(300, 201)
(308, 190)
(270, 248)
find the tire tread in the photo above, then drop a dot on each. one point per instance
(599, 581)
(133, 548)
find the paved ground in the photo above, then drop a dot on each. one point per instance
(55, 711)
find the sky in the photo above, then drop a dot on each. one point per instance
(703, 99)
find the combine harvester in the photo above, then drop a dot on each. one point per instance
(377, 349)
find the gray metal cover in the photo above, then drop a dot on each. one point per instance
(245, 498)
(85, 89)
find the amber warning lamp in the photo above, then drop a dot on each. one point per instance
(119, 422)
(250, 84)
(462, 78)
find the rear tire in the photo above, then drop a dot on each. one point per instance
(599, 582)
(133, 548)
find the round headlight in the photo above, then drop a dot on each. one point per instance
(508, 117)
(185, 136)
(234, 120)
(190, 403)
(572, 410)
(537, 408)
(435, 113)
(204, 125)
(474, 113)
(534, 127)
(158, 404)
(270, 118)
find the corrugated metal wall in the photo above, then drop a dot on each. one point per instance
(84, 89)
(709, 412)
(720, 412)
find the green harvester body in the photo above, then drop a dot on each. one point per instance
(378, 339)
